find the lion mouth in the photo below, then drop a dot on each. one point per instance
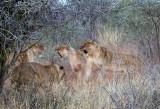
(60, 55)
(85, 51)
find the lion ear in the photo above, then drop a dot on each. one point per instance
(91, 41)
(68, 48)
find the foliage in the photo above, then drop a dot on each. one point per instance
(140, 19)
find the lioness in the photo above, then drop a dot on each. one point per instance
(26, 72)
(75, 57)
(98, 57)
(28, 55)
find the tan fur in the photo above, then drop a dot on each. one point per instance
(27, 56)
(34, 51)
(97, 57)
(31, 71)
(75, 57)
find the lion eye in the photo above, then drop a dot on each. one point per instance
(84, 44)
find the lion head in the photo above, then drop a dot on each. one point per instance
(37, 49)
(88, 47)
(63, 51)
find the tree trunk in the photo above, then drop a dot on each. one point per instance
(2, 73)
(2, 66)
(157, 38)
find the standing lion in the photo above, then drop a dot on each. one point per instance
(99, 57)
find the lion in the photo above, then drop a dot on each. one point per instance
(33, 51)
(28, 55)
(25, 73)
(75, 57)
(98, 57)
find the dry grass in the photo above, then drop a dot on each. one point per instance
(107, 36)
(134, 93)
(117, 40)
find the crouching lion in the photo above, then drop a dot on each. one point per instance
(31, 71)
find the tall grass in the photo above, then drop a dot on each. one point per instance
(117, 40)
(137, 93)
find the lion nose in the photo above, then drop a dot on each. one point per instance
(85, 51)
